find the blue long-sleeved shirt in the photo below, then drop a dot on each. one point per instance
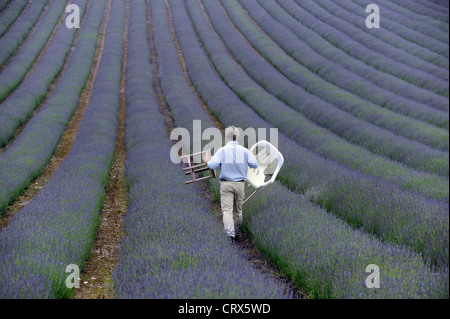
(234, 161)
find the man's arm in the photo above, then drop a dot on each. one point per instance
(252, 162)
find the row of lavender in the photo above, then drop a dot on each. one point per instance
(309, 59)
(325, 114)
(350, 32)
(317, 250)
(406, 26)
(439, 5)
(174, 246)
(402, 82)
(332, 72)
(314, 84)
(327, 257)
(390, 38)
(371, 50)
(378, 206)
(21, 103)
(352, 128)
(16, 34)
(357, 106)
(10, 14)
(392, 25)
(15, 71)
(277, 114)
(57, 227)
(361, 60)
(437, 17)
(25, 159)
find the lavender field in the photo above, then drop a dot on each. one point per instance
(90, 91)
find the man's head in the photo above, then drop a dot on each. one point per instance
(231, 134)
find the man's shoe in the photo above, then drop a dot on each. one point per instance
(230, 239)
(239, 234)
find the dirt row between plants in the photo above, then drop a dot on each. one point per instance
(245, 245)
(65, 144)
(96, 277)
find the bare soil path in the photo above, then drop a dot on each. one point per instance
(96, 278)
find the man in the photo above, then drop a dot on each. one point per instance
(234, 161)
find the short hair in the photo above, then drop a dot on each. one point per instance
(231, 134)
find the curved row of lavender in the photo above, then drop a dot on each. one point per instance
(174, 246)
(330, 71)
(436, 80)
(345, 125)
(10, 14)
(307, 134)
(325, 114)
(437, 46)
(321, 253)
(414, 10)
(26, 158)
(406, 27)
(406, 80)
(358, 106)
(327, 257)
(20, 104)
(288, 13)
(312, 61)
(288, 41)
(439, 5)
(15, 71)
(353, 17)
(343, 34)
(16, 34)
(57, 227)
(372, 41)
(380, 207)
(362, 40)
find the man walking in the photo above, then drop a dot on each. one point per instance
(234, 161)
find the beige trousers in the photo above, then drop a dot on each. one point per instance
(232, 195)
